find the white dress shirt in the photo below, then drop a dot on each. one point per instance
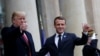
(57, 38)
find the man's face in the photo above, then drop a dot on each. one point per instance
(60, 26)
(19, 20)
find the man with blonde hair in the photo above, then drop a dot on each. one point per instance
(18, 41)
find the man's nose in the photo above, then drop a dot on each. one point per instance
(23, 20)
(60, 25)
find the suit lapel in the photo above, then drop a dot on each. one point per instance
(22, 40)
(54, 41)
(27, 37)
(65, 39)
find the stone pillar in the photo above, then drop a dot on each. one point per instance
(29, 6)
(75, 14)
(89, 12)
(50, 11)
(96, 10)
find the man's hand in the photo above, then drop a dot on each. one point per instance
(86, 28)
(23, 26)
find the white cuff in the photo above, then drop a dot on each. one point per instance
(86, 33)
(94, 36)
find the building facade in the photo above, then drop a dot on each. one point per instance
(41, 13)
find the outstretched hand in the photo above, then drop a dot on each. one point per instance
(86, 28)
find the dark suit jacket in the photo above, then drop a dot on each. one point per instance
(68, 43)
(91, 50)
(14, 45)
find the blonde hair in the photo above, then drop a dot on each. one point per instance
(15, 13)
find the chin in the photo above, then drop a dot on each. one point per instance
(60, 32)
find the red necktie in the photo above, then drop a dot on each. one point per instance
(26, 40)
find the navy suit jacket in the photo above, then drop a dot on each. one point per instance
(91, 50)
(14, 45)
(68, 43)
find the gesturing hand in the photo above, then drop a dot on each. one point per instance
(86, 28)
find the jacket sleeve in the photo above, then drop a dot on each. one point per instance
(44, 50)
(94, 43)
(81, 41)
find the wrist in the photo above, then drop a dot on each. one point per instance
(93, 36)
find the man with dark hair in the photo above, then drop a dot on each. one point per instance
(17, 41)
(63, 43)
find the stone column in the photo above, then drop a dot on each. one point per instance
(89, 12)
(75, 14)
(96, 12)
(50, 11)
(29, 6)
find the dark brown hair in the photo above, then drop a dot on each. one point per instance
(60, 18)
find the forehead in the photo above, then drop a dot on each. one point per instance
(59, 20)
(20, 15)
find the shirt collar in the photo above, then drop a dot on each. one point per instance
(61, 34)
